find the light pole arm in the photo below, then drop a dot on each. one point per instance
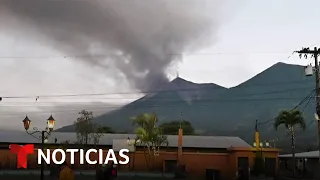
(42, 134)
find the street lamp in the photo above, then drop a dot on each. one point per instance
(129, 144)
(43, 137)
(134, 144)
(255, 144)
(50, 123)
(259, 159)
(261, 145)
(273, 143)
(267, 144)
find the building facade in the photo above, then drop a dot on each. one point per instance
(201, 156)
(307, 164)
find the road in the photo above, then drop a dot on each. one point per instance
(83, 175)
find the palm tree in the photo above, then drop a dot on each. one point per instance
(148, 134)
(291, 119)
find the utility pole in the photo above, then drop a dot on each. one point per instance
(257, 135)
(180, 141)
(314, 54)
(180, 125)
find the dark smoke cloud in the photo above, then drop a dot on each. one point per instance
(135, 38)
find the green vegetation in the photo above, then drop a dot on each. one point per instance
(291, 119)
(149, 135)
(106, 129)
(172, 128)
(86, 129)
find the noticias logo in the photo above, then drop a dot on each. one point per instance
(84, 155)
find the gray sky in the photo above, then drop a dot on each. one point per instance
(251, 36)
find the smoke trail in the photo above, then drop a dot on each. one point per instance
(137, 38)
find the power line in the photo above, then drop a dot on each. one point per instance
(173, 101)
(299, 104)
(104, 108)
(149, 92)
(202, 98)
(315, 53)
(309, 99)
(227, 98)
(112, 55)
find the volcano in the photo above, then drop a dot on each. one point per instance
(216, 110)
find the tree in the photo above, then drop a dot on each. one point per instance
(106, 129)
(86, 129)
(291, 119)
(149, 135)
(96, 133)
(172, 128)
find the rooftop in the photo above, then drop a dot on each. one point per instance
(311, 154)
(107, 139)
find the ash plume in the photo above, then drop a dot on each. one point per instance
(137, 39)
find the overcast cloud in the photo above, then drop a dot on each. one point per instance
(34, 62)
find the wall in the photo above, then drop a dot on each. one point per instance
(196, 163)
(306, 167)
(250, 153)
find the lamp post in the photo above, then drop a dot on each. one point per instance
(261, 145)
(273, 143)
(267, 144)
(129, 144)
(44, 134)
(259, 167)
(134, 144)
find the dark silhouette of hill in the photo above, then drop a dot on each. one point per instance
(215, 110)
(175, 97)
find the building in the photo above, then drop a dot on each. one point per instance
(307, 163)
(200, 155)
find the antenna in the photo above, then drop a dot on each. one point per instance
(177, 74)
(256, 126)
(181, 120)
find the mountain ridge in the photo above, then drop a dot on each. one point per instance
(217, 110)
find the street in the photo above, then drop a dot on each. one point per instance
(78, 177)
(82, 175)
